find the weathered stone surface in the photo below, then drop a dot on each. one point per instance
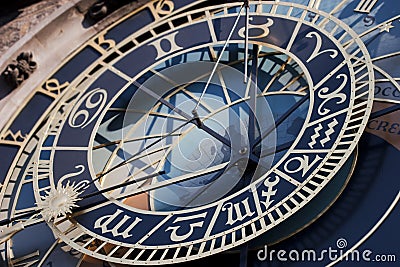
(17, 19)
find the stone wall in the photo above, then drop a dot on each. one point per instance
(16, 20)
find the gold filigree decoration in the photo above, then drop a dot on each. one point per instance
(164, 7)
(102, 45)
(13, 138)
(53, 88)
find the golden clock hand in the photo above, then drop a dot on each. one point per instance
(111, 188)
(8, 232)
(203, 127)
(277, 74)
(253, 97)
(218, 60)
(116, 142)
(246, 41)
(239, 163)
(175, 180)
(12, 230)
(162, 100)
(140, 152)
(275, 150)
(17, 218)
(195, 119)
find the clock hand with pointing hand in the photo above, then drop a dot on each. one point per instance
(64, 204)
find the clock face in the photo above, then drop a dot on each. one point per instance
(188, 130)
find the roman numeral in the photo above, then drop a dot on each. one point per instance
(365, 6)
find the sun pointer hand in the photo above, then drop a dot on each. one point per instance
(246, 41)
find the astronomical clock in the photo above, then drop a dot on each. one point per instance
(197, 132)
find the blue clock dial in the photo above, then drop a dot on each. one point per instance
(203, 201)
(191, 128)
